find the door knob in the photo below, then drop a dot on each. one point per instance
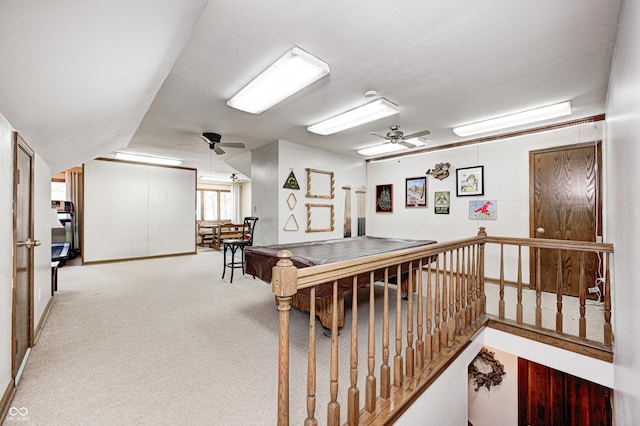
(540, 230)
(28, 243)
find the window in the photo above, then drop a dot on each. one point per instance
(213, 205)
(58, 190)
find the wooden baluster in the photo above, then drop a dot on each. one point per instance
(538, 290)
(283, 286)
(370, 390)
(501, 300)
(459, 318)
(463, 290)
(469, 288)
(436, 331)
(483, 297)
(582, 290)
(445, 306)
(452, 313)
(385, 369)
(474, 289)
(420, 343)
(559, 291)
(519, 306)
(353, 398)
(608, 332)
(410, 351)
(311, 362)
(398, 372)
(429, 338)
(333, 408)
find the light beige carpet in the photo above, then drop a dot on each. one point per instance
(168, 342)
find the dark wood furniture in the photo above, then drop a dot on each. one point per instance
(259, 261)
(232, 245)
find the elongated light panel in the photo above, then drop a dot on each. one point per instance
(294, 71)
(369, 112)
(517, 119)
(147, 159)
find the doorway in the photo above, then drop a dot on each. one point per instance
(22, 331)
(565, 204)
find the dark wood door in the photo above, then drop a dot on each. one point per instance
(548, 397)
(565, 205)
(23, 259)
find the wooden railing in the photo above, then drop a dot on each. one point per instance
(425, 331)
(560, 251)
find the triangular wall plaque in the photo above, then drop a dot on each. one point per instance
(291, 182)
(291, 224)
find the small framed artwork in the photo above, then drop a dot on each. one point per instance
(442, 202)
(384, 198)
(483, 210)
(470, 181)
(416, 192)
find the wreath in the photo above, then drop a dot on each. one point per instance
(489, 379)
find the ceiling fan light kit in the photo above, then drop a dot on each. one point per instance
(147, 159)
(511, 120)
(294, 71)
(366, 113)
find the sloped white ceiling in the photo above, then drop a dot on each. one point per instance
(82, 79)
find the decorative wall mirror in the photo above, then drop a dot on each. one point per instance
(320, 218)
(320, 184)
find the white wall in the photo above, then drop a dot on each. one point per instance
(506, 173)
(6, 247)
(137, 210)
(445, 401)
(623, 205)
(270, 168)
(264, 193)
(348, 171)
(499, 404)
(42, 232)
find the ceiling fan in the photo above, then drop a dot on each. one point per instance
(395, 135)
(215, 144)
(213, 140)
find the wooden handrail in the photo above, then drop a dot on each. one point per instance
(448, 280)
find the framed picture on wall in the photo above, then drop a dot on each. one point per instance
(470, 181)
(384, 198)
(416, 192)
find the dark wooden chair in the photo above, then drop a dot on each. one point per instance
(235, 244)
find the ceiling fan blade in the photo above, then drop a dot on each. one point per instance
(416, 134)
(217, 149)
(232, 144)
(379, 135)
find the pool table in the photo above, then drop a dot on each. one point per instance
(259, 261)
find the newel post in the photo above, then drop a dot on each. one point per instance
(283, 285)
(483, 298)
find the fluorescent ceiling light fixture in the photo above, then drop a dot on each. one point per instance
(381, 149)
(294, 71)
(147, 159)
(369, 112)
(525, 117)
(215, 179)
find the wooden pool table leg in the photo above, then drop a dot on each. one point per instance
(323, 308)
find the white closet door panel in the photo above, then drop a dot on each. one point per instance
(116, 220)
(172, 211)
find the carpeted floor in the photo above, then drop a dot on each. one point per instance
(168, 342)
